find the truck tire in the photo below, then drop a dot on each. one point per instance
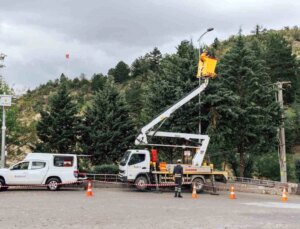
(140, 183)
(199, 183)
(2, 183)
(53, 184)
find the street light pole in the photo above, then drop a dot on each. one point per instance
(5, 101)
(3, 139)
(199, 40)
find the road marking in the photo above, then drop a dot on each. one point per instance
(275, 205)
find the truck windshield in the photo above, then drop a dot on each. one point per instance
(125, 158)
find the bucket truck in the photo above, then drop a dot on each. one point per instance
(141, 167)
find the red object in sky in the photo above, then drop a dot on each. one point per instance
(68, 56)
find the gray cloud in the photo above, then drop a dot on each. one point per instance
(36, 34)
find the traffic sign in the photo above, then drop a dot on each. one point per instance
(5, 100)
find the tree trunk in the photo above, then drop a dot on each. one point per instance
(242, 162)
(225, 163)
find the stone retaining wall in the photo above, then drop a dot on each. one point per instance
(292, 188)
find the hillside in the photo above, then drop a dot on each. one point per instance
(31, 103)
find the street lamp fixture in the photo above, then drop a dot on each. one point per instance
(2, 56)
(199, 39)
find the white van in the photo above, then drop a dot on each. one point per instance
(40, 169)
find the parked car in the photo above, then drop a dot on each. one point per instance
(52, 170)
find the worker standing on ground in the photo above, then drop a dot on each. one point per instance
(178, 175)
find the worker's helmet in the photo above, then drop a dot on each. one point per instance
(179, 161)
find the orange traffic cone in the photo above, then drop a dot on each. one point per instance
(89, 192)
(232, 194)
(194, 194)
(284, 196)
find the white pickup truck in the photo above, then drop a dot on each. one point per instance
(41, 169)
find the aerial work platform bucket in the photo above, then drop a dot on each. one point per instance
(206, 66)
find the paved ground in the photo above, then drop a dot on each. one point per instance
(117, 208)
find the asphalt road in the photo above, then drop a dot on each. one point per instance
(118, 208)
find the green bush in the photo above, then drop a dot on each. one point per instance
(267, 166)
(291, 169)
(106, 169)
(84, 165)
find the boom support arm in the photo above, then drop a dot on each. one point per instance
(142, 137)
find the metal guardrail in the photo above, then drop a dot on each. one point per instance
(242, 180)
(103, 177)
(258, 182)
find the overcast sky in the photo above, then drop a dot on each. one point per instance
(36, 34)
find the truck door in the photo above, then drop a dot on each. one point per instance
(137, 164)
(37, 172)
(18, 174)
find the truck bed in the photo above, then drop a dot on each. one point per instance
(192, 170)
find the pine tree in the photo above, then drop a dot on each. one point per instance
(150, 62)
(243, 109)
(175, 79)
(140, 67)
(120, 72)
(216, 43)
(281, 63)
(135, 99)
(257, 47)
(215, 47)
(154, 59)
(259, 30)
(98, 82)
(107, 129)
(57, 129)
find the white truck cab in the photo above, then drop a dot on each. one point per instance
(133, 164)
(41, 169)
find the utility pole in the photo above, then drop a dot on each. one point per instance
(281, 135)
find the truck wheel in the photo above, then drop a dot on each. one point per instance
(199, 183)
(2, 183)
(53, 184)
(140, 183)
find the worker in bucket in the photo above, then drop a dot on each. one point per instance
(178, 176)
